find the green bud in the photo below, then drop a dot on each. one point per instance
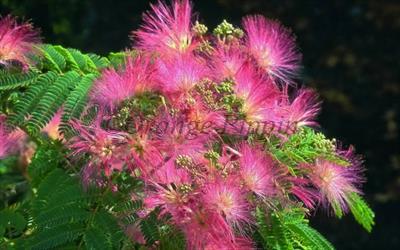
(199, 29)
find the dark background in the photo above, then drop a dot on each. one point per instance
(351, 56)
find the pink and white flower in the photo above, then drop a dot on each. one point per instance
(167, 31)
(273, 47)
(113, 87)
(17, 41)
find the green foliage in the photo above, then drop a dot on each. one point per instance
(59, 59)
(51, 101)
(60, 212)
(54, 237)
(156, 231)
(361, 211)
(76, 101)
(18, 80)
(31, 98)
(304, 147)
(12, 223)
(117, 59)
(46, 158)
(13, 186)
(150, 229)
(61, 78)
(288, 229)
(172, 239)
(95, 239)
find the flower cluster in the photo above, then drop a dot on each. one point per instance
(198, 119)
(202, 86)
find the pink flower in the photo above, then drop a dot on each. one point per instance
(225, 197)
(178, 76)
(256, 170)
(16, 41)
(208, 230)
(101, 145)
(170, 189)
(227, 61)
(244, 243)
(143, 149)
(52, 127)
(175, 136)
(169, 173)
(9, 140)
(167, 30)
(272, 46)
(302, 111)
(301, 188)
(203, 119)
(335, 182)
(114, 87)
(258, 94)
(134, 233)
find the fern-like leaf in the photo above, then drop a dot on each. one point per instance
(54, 60)
(62, 214)
(51, 101)
(109, 226)
(47, 157)
(53, 237)
(172, 239)
(149, 228)
(288, 229)
(15, 81)
(60, 59)
(72, 63)
(31, 98)
(309, 236)
(96, 240)
(97, 61)
(75, 102)
(361, 211)
(11, 221)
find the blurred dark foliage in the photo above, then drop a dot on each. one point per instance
(351, 56)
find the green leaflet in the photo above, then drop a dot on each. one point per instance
(150, 229)
(54, 213)
(51, 101)
(31, 98)
(288, 229)
(48, 156)
(77, 61)
(126, 211)
(60, 213)
(172, 239)
(62, 77)
(76, 101)
(96, 239)
(361, 211)
(15, 81)
(272, 231)
(308, 237)
(59, 59)
(11, 222)
(54, 236)
(53, 60)
(304, 147)
(117, 59)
